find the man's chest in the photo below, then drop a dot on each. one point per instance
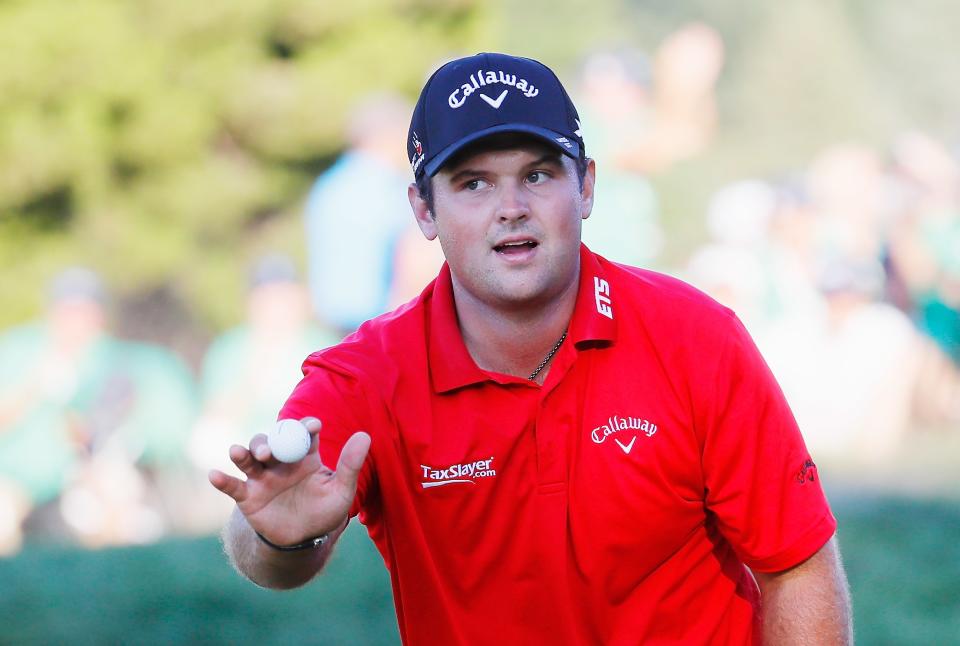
(604, 447)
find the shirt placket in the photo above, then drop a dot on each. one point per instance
(553, 425)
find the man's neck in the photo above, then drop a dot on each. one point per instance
(513, 340)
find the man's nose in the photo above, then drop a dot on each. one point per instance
(513, 203)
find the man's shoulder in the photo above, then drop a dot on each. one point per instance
(381, 344)
(659, 315)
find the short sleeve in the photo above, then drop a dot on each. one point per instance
(762, 487)
(337, 399)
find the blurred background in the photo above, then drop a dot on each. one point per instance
(193, 197)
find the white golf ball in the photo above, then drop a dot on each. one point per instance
(289, 441)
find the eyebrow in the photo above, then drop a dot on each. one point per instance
(548, 158)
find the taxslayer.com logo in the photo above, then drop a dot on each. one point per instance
(464, 473)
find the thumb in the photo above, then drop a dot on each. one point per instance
(352, 455)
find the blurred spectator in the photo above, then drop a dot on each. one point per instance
(924, 245)
(416, 262)
(686, 68)
(615, 109)
(805, 276)
(849, 371)
(939, 308)
(88, 416)
(756, 261)
(793, 270)
(848, 191)
(731, 267)
(355, 214)
(640, 121)
(247, 370)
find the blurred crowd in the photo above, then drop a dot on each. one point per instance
(848, 277)
(847, 274)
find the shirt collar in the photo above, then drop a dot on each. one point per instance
(594, 315)
(451, 365)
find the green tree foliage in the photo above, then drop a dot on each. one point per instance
(159, 141)
(165, 142)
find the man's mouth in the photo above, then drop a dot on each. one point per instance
(515, 246)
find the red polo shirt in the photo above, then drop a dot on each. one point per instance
(616, 504)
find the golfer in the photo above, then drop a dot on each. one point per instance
(545, 446)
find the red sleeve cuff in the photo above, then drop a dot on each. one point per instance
(803, 548)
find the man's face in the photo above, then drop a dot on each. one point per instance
(509, 219)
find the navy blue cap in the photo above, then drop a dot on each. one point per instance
(474, 97)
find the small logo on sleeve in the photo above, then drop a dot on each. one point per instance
(463, 473)
(807, 473)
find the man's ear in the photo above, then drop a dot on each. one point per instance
(421, 211)
(586, 193)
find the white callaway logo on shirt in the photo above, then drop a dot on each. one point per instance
(617, 424)
(464, 473)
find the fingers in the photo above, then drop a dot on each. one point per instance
(313, 424)
(253, 459)
(259, 448)
(354, 451)
(245, 460)
(313, 427)
(351, 460)
(233, 487)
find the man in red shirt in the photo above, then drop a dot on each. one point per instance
(546, 447)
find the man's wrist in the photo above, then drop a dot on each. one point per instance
(309, 544)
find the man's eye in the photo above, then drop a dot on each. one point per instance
(536, 177)
(474, 184)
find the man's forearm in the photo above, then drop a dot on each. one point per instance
(268, 567)
(808, 604)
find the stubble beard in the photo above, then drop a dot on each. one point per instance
(529, 289)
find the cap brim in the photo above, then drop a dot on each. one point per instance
(562, 143)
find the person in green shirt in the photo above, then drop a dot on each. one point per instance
(248, 369)
(78, 404)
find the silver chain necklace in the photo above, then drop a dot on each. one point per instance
(546, 359)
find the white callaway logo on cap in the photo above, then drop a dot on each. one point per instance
(480, 78)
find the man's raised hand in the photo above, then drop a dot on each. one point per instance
(288, 503)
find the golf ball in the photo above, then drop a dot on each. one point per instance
(289, 441)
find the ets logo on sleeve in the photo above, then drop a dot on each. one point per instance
(601, 293)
